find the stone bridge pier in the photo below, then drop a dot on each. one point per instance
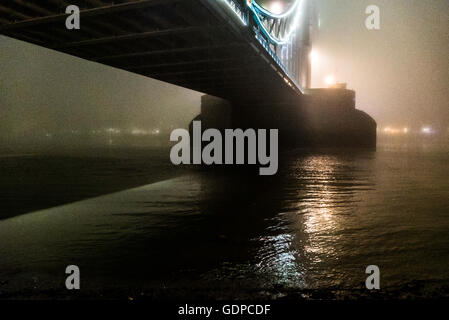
(319, 118)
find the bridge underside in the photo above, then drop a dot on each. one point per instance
(196, 44)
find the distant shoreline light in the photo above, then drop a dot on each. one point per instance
(406, 130)
(427, 130)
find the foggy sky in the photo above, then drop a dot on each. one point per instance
(43, 90)
(400, 74)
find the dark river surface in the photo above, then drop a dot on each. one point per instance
(137, 226)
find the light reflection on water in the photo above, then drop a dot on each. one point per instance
(321, 190)
(316, 225)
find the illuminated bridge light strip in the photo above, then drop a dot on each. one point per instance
(279, 21)
(242, 14)
(237, 9)
(266, 46)
(258, 7)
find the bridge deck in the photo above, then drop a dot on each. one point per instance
(197, 44)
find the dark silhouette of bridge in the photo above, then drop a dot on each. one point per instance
(233, 49)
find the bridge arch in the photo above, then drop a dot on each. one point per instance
(278, 28)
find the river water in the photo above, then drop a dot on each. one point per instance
(308, 232)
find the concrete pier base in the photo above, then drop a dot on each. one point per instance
(320, 118)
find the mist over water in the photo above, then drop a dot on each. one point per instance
(311, 230)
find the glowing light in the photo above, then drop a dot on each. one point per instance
(330, 80)
(276, 7)
(138, 132)
(113, 131)
(294, 22)
(258, 8)
(389, 130)
(236, 10)
(427, 130)
(314, 56)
